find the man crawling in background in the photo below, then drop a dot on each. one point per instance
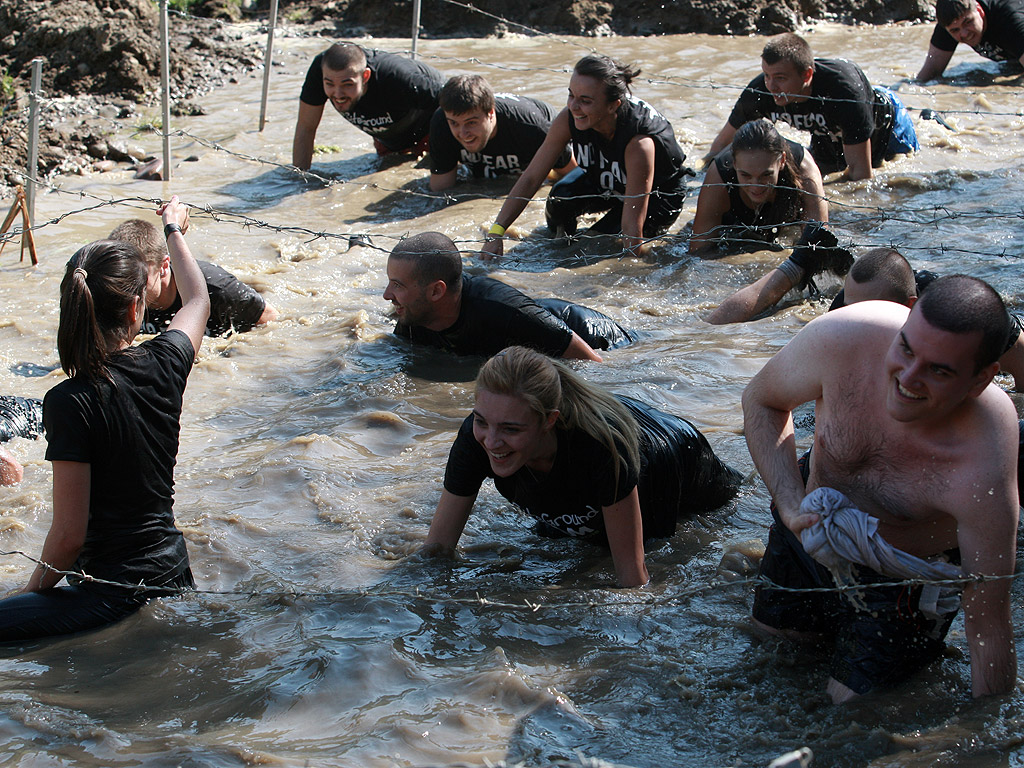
(911, 430)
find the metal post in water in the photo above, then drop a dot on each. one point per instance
(267, 60)
(415, 25)
(33, 139)
(165, 85)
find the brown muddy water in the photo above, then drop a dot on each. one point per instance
(312, 453)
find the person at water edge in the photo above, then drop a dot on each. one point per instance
(112, 436)
(385, 95)
(584, 462)
(993, 28)
(436, 304)
(884, 274)
(756, 186)
(234, 306)
(492, 135)
(631, 168)
(852, 125)
(19, 417)
(911, 429)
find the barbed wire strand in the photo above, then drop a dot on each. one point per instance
(364, 238)
(479, 600)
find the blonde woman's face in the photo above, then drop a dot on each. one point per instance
(512, 434)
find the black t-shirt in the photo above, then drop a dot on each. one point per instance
(128, 433)
(841, 108)
(233, 304)
(787, 207)
(1003, 38)
(604, 162)
(492, 316)
(679, 473)
(400, 98)
(522, 125)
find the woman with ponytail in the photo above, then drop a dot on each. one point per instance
(584, 462)
(631, 168)
(112, 436)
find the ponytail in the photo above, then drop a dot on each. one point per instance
(548, 385)
(101, 282)
(615, 75)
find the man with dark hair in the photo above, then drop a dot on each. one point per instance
(234, 306)
(993, 28)
(387, 96)
(436, 304)
(492, 135)
(852, 125)
(884, 274)
(920, 449)
(881, 274)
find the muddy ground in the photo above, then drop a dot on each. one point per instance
(102, 58)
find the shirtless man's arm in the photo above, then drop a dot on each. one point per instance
(795, 375)
(987, 511)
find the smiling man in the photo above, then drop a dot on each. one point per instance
(852, 125)
(910, 428)
(387, 96)
(993, 28)
(435, 304)
(492, 135)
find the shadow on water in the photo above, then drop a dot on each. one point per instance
(274, 186)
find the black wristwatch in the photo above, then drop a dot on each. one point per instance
(169, 228)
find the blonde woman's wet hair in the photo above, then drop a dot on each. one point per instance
(548, 385)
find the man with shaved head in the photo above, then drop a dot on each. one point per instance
(436, 304)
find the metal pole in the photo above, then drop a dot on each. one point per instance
(33, 139)
(267, 61)
(165, 85)
(415, 25)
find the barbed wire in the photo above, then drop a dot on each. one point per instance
(364, 238)
(417, 594)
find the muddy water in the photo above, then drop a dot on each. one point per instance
(312, 453)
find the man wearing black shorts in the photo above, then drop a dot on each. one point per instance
(387, 96)
(435, 304)
(234, 306)
(993, 28)
(492, 135)
(852, 125)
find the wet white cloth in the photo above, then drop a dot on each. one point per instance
(845, 535)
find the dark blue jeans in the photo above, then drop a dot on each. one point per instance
(68, 609)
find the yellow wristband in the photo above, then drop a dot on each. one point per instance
(496, 229)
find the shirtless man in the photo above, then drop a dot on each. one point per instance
(993, 28)
(910, 427)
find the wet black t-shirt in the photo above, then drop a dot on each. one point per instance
(128, 434)
(1003, 38)
(233, 304)
(522, 125)
(400, 98)
(840, 109)
(678, 473)
(604, 162)
(492, 316)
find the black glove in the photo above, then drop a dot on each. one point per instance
(818, 251)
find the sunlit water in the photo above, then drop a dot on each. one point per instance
(312, 453)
